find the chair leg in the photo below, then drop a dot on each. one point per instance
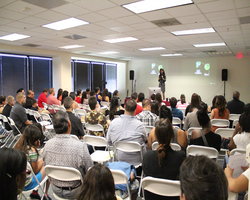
(139, 190)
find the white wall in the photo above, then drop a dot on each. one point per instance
(181, 77)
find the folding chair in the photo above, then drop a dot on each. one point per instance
(98, 155)
(39, 119)
(174, 146)
(105, 104)
(94, 128)
(46, 117)
(66, 174)
(195, 150)
(237, 151)
(225, 132)
(159, 186)
(234, 117)
(176, 121)
(148, 129)
(45, 105)
(12, 124)
(80, 112)
(235, 122)
(221, 123)
(191, 129)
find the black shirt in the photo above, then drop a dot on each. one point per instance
(76, 125)
(213, 140)
(6, 112)
(169, 169)
(235, 106)
(29, 102)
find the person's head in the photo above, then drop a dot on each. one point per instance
(105, 93)
(130, 107)
(59, 92)
(202, 178)
(183, 98)
(10, 100)
(114, 104)
(33, 103)
(158, 97)
(98, 184)
(146, 104)
(92, 93)
(195, 101)
(141, 97)
(20, 90)
(116, 93)
(155, 107)
(72, 95)
(165, 113)
(30, 94)
(247, 108)
(236, 95)
(52, 91)
(84, 96)
(20, 98)
(213, 101)
(152, 97)
(92, 103)
(12, 173)
(79, 92)
(2, 100)
(244, 122)
(97, 90)
(162, 72)
(134, 96)
(61, 123)
(45, 91)
(64, 94)
(88, 90)
(203, 117)
(173, 102)
(68, 103)
(220, 103)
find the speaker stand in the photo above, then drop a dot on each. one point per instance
(225, 89)
(132, 87)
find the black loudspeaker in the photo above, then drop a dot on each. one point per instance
(131, 75)
(224, 74)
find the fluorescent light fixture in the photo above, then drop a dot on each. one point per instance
(108, 52)
(194, 31)
(210, 45)
(14, 37)
(172, 54)
(152, 49)
(126, 39)
(66, 23)
(71, 46)
(150, 5)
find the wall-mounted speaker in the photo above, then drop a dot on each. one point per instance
(131, 75)
(224, 74)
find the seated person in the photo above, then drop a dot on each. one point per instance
(205, 137)
(202, 178)
(164, 162)
(7, 109)
(175, 111)
(115, 108)
(180, 136)
(13, 173)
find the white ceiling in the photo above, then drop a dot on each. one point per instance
(109, 20)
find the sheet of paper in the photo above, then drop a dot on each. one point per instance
(236, 162)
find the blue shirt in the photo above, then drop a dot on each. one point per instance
(177, 113)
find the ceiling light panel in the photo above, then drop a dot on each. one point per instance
(117, 40)
(72, 46)
(172, 54)
(150, 5)
(152, 49)
(194, 31)
(14, 37)
(65, 24)
(210, 44)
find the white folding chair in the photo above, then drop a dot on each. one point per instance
(159, 186)
(148, 129)
(210, 152)
(174, 146)
(14, 141)
(80, 112)
(94, 128)
(39, 119)
(225, 132)
(66, 174)
(12, 123)
(46, 117)
(237, 151)
(191, 129)
(45, 105)
(98, 155)
(221, 123)
(121, 178)
(234, 117)
(105, 104)
(235, 122)
(176, 121)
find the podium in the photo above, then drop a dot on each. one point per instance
(153, 90)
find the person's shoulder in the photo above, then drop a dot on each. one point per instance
(149, 154)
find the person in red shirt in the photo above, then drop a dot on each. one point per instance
(78, 98)
(42, 98)
(139, 108)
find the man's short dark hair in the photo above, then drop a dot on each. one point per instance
(173, 102)
(67, 102)
(97, 89)
(202, 178)
(45, 90)
(61, 122)
(2, 99)
(134, 96)
(141, 97)
(19, 90)
(87, 90)
(130, 105)
(92, 103)
(146, 102)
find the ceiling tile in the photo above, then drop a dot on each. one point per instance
(71, 10)
(242, 12)
(133, 19)
(52, 16)
(192, 19)
(242, 3)
(144, 25)
(10, 14)
(228, 14)
(5, 21)
(183, 11)
(115, 12)
(93, 17)
(224, 22)
(155, 15)
(95, 5)
(216, 6)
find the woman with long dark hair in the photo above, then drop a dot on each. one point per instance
(59, 94)
(162, 80)
(115, 108)
(64, 95)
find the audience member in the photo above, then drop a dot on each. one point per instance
(139, 109)
(78, 98)
(182, 104)
(18, 113)
(98, 184)
(175, 111)
(95, 116)
(155, 107)
(72, 95)
(29, 99)
(105, 95)
(88, 92)
(164, 162)
(194, 105)
(152, 97)
(42, 98)
(76, 124)
(236, 106)
(92, 93)
(141, 97)
(115, 108)
(202, 178)
(146, 116)
(2, 103)
(20, 90)
(205, 137)
(66, 150)
(158, 98)
(180, 136)
(84, 99)
(7, 109)
(116, 93)
(12, 173)
(97, 95)
(59, 94)
(52, 100)
(64, 95)
(127, 128)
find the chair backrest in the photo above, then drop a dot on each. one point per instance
(148, 129)
(176, 121)
(235, 122)
(63, 173)
(238, 151)
(94, 127)
(194, 150)
(104, 103)
(46, 117)
(4, 118)
(45, 105)
(191, 129)
(80, 112)
(37, 116)
(12, 123)
(225, 132)
(95, 141)
(234, 117)
(174, 146)
(223, 123)
(163, 187)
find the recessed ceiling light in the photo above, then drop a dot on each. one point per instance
(152, 49)
(126, 39)
(71, 46)
(194, 31)
(150, 5)
(172, 54)
(108, 52)
(14, 37)
(66, 23)
(210, 44)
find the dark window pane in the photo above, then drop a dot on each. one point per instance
(111, 77)
(97, 75)
(81, 75)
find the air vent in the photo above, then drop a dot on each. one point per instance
(244, 20)
(47, 4)
(181, 51)
(75, 37)
(31, 45)
(166, 22)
